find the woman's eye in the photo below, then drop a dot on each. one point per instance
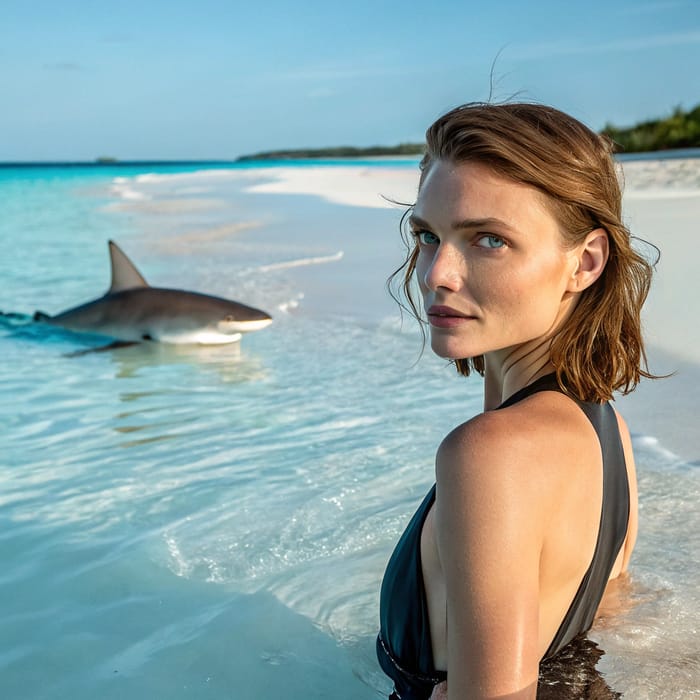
(426, 238)
(489, 241)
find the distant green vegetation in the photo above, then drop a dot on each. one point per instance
(680, 130)
(403, 149)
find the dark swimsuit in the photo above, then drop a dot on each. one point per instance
(404, 646)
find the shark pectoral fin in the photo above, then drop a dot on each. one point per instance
(124, 272)
(103, 348)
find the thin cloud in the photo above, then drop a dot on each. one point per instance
(380, 65)
(327, 73)
(567, 48)
(649, 8)
(65, 66)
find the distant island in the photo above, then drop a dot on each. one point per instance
(403, 149)
(680, 130)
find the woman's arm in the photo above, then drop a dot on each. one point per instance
(440, 693)
(632, 525)
(489, 532)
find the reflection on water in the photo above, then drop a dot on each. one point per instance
(166, 412)
(231, 365)
(171, 390)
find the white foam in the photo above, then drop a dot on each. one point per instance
(180, 566)
(350, 424)
(293, 303)
(122, 187)
(301, 262)
(195, 175)
(654, 447)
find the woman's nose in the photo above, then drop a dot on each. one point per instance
(445, 269)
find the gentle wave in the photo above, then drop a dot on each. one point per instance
(300, 262)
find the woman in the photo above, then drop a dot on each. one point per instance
(527, 277)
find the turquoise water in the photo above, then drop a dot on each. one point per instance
(214, 522)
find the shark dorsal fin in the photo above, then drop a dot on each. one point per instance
(124, 272)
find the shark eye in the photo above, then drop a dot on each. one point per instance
(229, 318)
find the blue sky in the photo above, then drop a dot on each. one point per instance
(218, 78)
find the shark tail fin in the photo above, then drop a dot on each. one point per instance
(124, 272)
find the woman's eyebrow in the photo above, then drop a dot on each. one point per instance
(487, 222)
(417, 222)
(480, 223)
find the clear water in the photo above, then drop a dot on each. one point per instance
(214, 522)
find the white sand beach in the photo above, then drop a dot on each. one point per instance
(351, 185)
(662, 206)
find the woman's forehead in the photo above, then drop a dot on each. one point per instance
(472, 190)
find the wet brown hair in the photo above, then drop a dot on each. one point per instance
(599, 349)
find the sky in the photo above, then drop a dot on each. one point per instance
(215, 79)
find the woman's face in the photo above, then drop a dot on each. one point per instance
(491, 265)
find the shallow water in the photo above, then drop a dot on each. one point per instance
(214, 522)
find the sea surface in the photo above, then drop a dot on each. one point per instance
(213, 522)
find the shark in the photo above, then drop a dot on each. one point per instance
(132, 311)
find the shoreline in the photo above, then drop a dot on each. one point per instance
(661, 205)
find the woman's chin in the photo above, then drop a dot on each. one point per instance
(448, 350)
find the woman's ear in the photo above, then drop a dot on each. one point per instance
(591, 258)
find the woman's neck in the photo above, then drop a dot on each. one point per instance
(509, 370)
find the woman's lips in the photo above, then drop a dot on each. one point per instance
(446, 317)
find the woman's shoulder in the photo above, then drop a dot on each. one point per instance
(544, 439)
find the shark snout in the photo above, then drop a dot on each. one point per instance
(231, 325)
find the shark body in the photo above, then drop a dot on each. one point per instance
(132, 311)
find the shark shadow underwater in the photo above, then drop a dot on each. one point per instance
(132, 311)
